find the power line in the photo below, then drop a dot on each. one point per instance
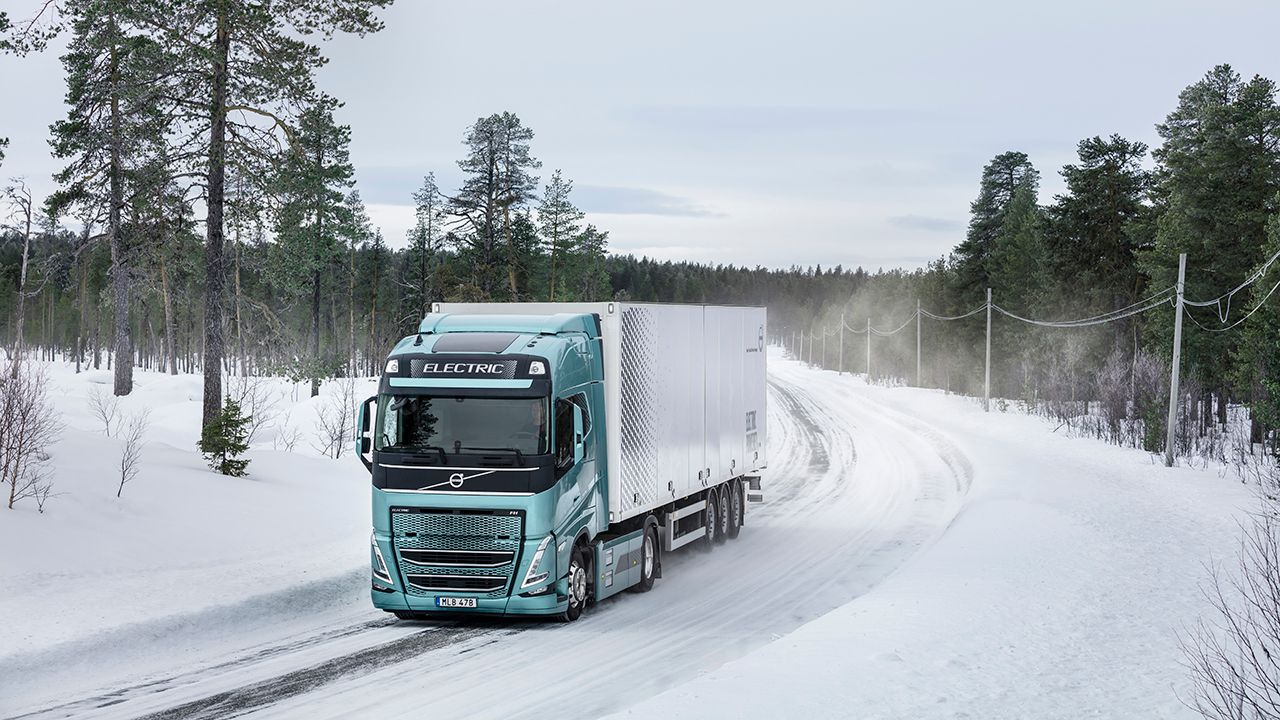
(1253, 277)
(1248, 315)
(901, 327)
(1112, 316)
(947, 318)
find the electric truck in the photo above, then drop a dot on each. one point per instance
(531, 459)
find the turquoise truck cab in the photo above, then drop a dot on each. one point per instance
(486, 465)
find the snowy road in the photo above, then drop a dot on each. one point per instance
(853, 490)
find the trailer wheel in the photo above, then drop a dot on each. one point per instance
(711, 520)
(722, 517)
(735, 508)
(578, 585)
(648, 561)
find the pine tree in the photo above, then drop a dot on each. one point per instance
(1257, 372)
(114, 125)
(497, 186)
(1097, 225)
(1001, 178)
(239, 69)
(1018, 262)
(591, 257)
(426, 241)
(560, 224)
(312, 218)
(1218, 175)
(225, 439)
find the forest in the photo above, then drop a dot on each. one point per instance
(208, 220)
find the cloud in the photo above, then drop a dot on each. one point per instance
(609, 200)
(924, 222)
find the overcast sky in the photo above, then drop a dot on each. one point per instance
(734, 131)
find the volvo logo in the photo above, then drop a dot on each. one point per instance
(456, 480)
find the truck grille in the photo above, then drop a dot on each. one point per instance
(458, 558)
(456, 551)
(463, 583)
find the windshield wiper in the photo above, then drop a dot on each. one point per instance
(519, 455)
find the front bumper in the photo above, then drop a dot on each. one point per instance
(397, 596)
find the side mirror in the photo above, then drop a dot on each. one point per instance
(364, 433)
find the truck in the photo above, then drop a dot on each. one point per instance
(532, 459)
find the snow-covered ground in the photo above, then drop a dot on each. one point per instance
(1059, 591)
(915, 558)
(101, 587)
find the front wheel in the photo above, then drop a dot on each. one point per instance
(577, 585)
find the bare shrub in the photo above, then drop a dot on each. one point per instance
(1233, 656)
(105, 407)
(287, 434)
(135, 432)
(28, 426)
(337, 420)
(256, 398)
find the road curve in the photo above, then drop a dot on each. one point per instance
(853, 490)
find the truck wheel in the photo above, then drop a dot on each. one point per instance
(577, 586)
(735, 508)
(722, 518)
(648, 561)
(711, 515)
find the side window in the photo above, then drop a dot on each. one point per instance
(581, 401)
(564, 434)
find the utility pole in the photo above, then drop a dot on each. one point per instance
(840, 370)
(986, 385)
(868, 349)
(1177, 358)
(918, 343)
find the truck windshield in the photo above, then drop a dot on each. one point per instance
(426, 424)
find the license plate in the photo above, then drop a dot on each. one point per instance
(455, 602)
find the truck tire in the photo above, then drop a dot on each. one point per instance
(711, 518)
(722, 516)
(648, 561)
(579, 585)
(736, 508)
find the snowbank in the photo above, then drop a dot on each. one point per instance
(185, 555)
(1058, 591)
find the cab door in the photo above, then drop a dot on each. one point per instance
(575, 462)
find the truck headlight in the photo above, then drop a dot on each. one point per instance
(537, 572)
(380, 570)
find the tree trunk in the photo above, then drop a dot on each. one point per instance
(215, 199)
(239, 328)
(315, 333)
(351, 312)
(22, 292)
(170, 330)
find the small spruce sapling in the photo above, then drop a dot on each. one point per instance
(224, 439)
